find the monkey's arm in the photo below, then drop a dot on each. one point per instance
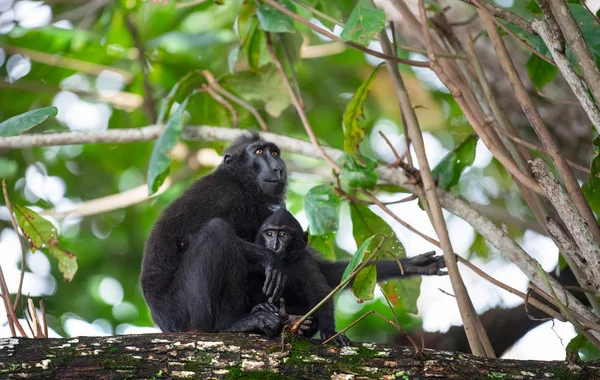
(426, 264)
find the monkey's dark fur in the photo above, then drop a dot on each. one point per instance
(310, 278)
(194, 271)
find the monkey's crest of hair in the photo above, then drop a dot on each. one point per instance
(283, 217)
(244, 139)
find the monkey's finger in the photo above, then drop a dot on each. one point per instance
(268, 279)
(274, 287)
(282, 312)
(271, 286)
(280, 286)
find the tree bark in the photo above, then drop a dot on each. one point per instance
(188, 355)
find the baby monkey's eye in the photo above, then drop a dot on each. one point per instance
(270, 234)
(282, 235)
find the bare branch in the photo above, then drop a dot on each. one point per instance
(581, 50)
(578, 87)
(436, 217)
(505, 15)
(536, 121)
(571, 218)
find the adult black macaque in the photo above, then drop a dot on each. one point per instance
(310, 278)
(194, 271)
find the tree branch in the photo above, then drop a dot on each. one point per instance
(565, 67)
(575, 40)
(536, 121)
(187, 355)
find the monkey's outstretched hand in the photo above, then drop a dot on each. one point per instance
(425, 264)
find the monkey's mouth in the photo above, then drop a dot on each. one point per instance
(272, 180)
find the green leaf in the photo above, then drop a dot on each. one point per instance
(363, 286)
(359, 175)
(159, 160)
(533, 7)
(353, 132)
(41, 233)
(265, 86)
(322, 208)
(181, 87)
(25, 121)
(8, 168)
(591, 189)
(363, 251)
(589, 30)
(448, 171)
(324, 244)
(273, 20)
(583, 348)
(364, 23)
(540, 72)
(403, 293)
(366, 223)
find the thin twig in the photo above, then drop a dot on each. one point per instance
(299, 109)
(565, 311)
(37, 327)
(149, 103)
(539, 149)
(13, 321)
(7, 304)
(525, 43)
(224, 103)
(558, 101)
(214, 84)
(342, 284)
(44, 322)
(508, 16)
(288, 57)
(15, 226)
(332, 36)
(65, 62)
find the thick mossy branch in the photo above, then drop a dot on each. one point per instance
(186, 355)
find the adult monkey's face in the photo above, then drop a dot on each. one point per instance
(265, 158)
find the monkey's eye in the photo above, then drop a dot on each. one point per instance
(275, 153)
(259, 151)
(282, 235)
(270, 233)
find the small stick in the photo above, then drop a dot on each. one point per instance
(44, 322)
(15, 226)
(214, 84)
(224, 103)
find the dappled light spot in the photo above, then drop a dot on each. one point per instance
(7, 21)
(111, 291)
(125, 311)
(17, 67)
(32, 14)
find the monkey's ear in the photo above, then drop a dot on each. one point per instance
(228, 159)
(305, 237)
